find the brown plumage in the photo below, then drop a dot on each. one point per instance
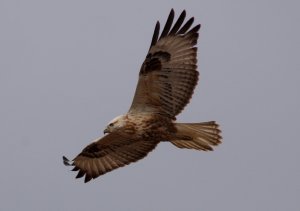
(167, 80)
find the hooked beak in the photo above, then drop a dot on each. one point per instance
(106, 131)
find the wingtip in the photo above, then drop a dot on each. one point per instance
(157, 24)
(172, 11)
(80, 174)
(183, 13)
(195, 29)
(66, 161)
(87, 178)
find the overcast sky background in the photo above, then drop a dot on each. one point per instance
(68, 67)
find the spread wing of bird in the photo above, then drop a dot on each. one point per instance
(110, 152)
(169, 73)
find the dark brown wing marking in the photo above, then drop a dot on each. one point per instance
(154, 62)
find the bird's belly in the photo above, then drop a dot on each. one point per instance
(151, 127)
(156, 131)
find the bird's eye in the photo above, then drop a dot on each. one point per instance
(111, 124)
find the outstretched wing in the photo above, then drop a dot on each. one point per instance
(109, 153)
(169, 73)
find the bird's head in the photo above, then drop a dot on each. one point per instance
(116, 124)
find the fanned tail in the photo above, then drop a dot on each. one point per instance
(200, 136)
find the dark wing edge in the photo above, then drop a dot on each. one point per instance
(176, 30)
(101, 157)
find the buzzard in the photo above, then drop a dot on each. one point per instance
(167, 80)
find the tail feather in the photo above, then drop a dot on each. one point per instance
(200, 136)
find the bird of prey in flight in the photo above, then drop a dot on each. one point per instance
(167, 80)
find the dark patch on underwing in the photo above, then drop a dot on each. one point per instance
(93, 151)
(153, 62)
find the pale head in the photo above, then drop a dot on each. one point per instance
(116, 124)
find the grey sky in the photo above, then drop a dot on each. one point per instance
(69, 67)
